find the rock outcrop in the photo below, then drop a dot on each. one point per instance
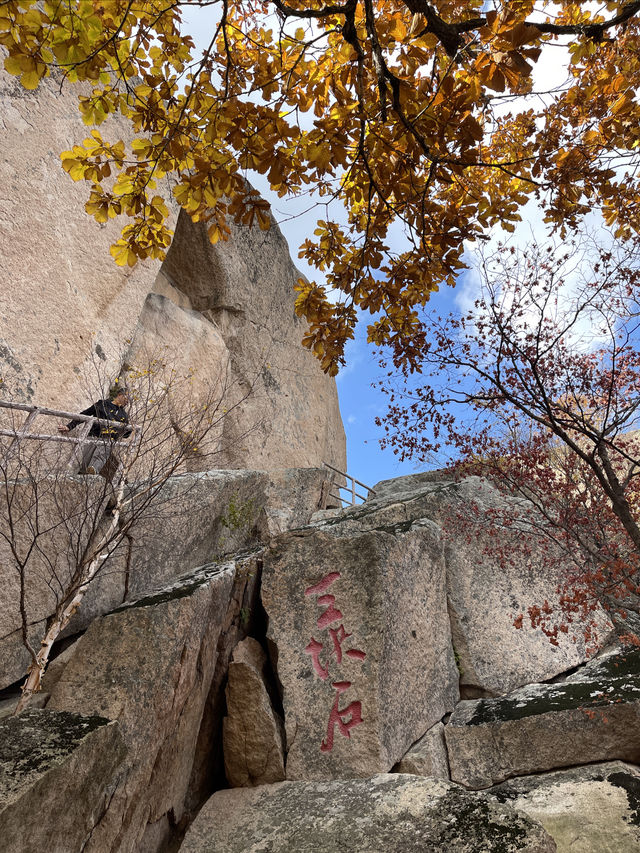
(149, 666)
(55, 767)
(591, 809)
(484, 591)
(65, 307)
(361, 644)
(197, 518)
(253, 731)
(390, 812)
(546, 726)
(244, 287)
(367, 652)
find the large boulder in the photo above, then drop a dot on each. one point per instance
(149, 665)
(196, 519)
(244, 286)
(544, 727)
(361, 645)
(253, 732)
(591, 809)
(487, 586)
(56, 778)
(389, 813)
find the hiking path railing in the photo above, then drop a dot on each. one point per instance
(80, 438)
(350, 487)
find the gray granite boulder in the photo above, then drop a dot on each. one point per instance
(389, 813)
(592, 809)
(57, 772)
(253, 732)
(149, 665)
(361, 645)
(201, 517)
(428, 756)
(543, 727)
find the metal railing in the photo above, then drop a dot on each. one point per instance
(81, 438)
(350, 487)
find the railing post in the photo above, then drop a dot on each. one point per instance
(353, 491)
(22, 431)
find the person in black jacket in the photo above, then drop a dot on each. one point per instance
(98, 456)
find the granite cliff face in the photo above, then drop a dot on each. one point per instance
(67, 311)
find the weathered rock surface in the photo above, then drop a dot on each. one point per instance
(56, 778)
(428, 756)
(617, 662)
(543, 727)
(237, 297)
(189, 351)
(361, 643)
(593, 809)
(485, 592)
(202, 516)
(389, 813)
(65, 306)
(245, 287)
(197, 518)
(149, 666)
(253, 733)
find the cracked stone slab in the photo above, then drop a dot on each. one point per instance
(592, 809)
(428, 756)
(149, 665)
(390, 813)
(56, 775)
(361, 645)
(544, 727)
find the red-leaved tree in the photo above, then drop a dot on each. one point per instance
(537, 387)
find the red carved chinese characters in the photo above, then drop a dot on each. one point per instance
(345, 720)
(351, 715)
(314, 648)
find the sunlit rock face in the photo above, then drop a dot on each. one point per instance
(360, 635)
(286, 410)
(66, 309)
(70, 318)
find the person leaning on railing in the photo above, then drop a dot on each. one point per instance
(99, 457)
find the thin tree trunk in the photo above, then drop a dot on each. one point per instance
(63, 616)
